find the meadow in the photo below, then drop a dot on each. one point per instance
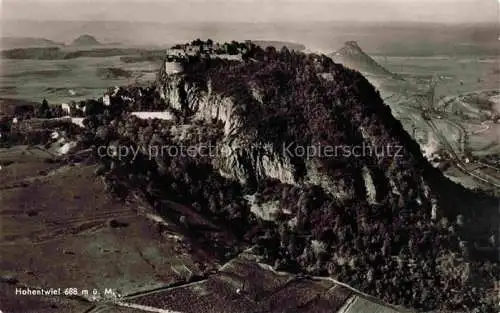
(61, 81)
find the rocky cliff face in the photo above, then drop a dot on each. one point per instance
(239, 157)
(246, 157)
(311, 167)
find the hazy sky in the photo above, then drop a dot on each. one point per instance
(446, 11)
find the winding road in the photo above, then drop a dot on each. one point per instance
(456, 158)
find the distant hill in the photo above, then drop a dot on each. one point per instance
(27, 42)
(85, 40)
(113, 73)
(10, 107)
(57, 53)
(352, 56)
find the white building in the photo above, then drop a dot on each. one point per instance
(161, 115)
(55, 135)
(106, 100)
(78, 121)
(66, 108)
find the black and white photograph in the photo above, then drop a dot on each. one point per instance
(249, 156)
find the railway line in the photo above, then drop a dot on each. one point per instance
(457, 160)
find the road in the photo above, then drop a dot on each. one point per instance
(458, 160)
(444, 141)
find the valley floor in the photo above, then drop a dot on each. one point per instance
(450, 107)
(60, 229)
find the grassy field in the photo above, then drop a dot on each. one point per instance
(65, 80)
(38, 304)
(464, 103)
(243, 285)
(454, 75)
(60, 229)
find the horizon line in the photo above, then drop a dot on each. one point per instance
(386, 22)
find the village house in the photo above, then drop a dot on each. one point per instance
(66, 108)
(106, 100)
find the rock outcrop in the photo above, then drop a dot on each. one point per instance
(352, 56)
(247, 157)
(311, 166)
(85, 40)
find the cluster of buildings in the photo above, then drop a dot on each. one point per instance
(178, 53)
(208, 47)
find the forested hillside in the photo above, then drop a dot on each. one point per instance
(390, 225)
